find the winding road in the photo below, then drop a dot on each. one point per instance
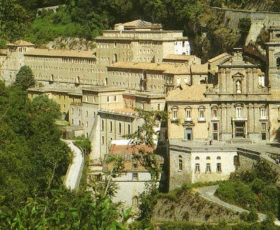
(74, 172)
(208, 194)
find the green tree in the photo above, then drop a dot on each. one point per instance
(24, 78)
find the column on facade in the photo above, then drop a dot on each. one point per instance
(228, 118)
(226, 79)
(248, 81)
(250, 118)
(222, 76)
(223, 118)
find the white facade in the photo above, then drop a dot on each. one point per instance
(182, 47)
(130, 187)
(210, 166)
(192, 162)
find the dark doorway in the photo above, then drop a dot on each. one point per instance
(240, 129)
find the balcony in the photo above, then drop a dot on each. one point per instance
(201, 119)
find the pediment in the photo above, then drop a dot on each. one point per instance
(238, 75)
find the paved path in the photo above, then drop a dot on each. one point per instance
(208, 194)
(74, 172)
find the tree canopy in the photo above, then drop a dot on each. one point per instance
(24, 78)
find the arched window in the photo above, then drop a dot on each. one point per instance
(135, 202)
(201, 112)
(197, 158)
(208, 158)
(180, 163)
(115, 58)
(218, 158)
(238, 86)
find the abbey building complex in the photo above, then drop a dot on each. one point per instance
(222, 114)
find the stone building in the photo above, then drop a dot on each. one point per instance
(52, 68)
(197, 161)
(236, 107)
(63, 97)
(137, 41)
(134, 178)
(205, 120)
(157, 78)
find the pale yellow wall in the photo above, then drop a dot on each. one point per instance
(62, 69)
(274, 112)
(200, 128)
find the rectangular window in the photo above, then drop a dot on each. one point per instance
(128, 129)
(134, 176)
(215, 114)
(219, 167)
(174, 114)
(111, 126)
(263, 113)
(120, 128)
(103, 125)
(263, 131)
(103, 140)
(188, 114)
(208, 168)
(201, 114)
(238, 112)
(108, 99)
(197, 168)
(115, 98)
(215, 131)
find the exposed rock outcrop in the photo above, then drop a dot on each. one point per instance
(193, 208)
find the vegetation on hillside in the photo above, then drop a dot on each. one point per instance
(34, 162)
(253, 189)
(87, 19)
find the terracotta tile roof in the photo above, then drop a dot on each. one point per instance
(20, 43)
(60, 53)
(127, 152)
(221, 56)
(180, 57)
(163, 67)
(193, 93)
(129, 149)
(141, 66)
(120, 111)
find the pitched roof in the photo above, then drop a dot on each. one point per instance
(120, 111)
(129, 149)
(180, 57)
(193, 93)
(60, 53)
(138, 24)
(163, 67)
(20, 43)
(221, 56)
(141, 66)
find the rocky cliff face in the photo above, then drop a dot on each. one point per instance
(71, 44)
(193, 208)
